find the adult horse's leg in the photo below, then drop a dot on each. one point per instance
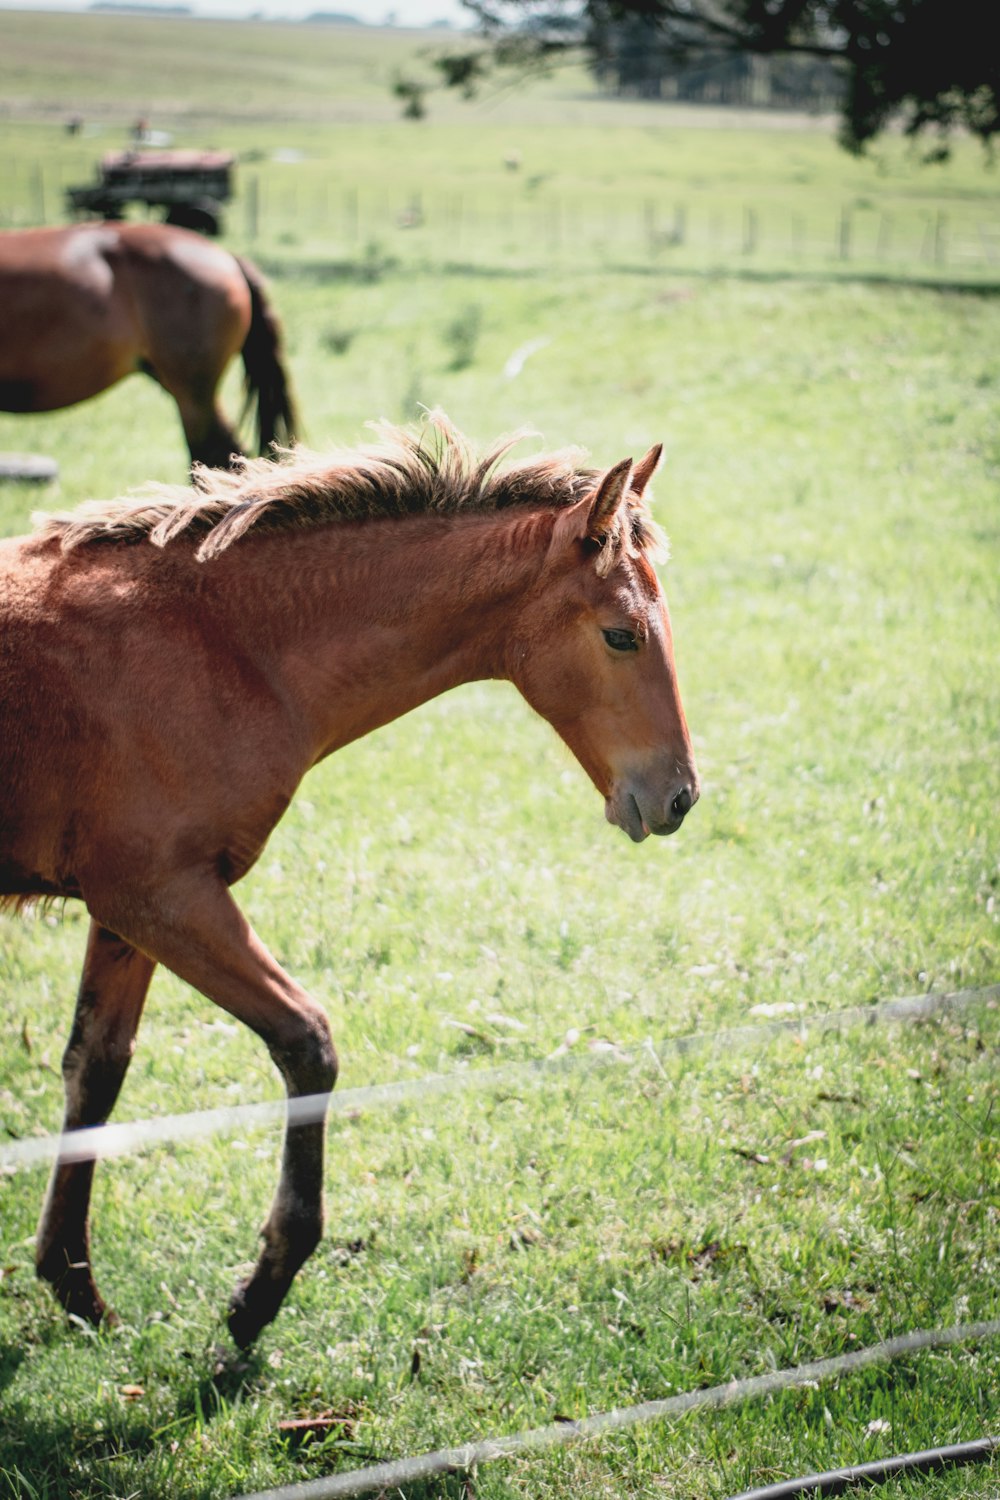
(113, 989)
(196, 929)
(211, 440)
(191, 329)
(209, 437)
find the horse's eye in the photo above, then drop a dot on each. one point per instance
(621, 640)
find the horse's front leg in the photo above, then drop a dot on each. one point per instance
(195, 929)
(109, 1004)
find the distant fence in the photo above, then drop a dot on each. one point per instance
(523, 222)
(559, 226)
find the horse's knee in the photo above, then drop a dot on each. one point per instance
(305, 1053)
(93, 1072)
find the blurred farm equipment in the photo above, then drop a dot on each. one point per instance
(191, 186)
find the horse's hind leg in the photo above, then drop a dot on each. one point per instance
(196, 929)
(210, 439)
(112, 992)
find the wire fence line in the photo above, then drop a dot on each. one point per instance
(392, 1474)
(527, 216)
(650, 228)
(918, 236)
(128, 1138)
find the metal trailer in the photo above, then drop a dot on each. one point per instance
(191, 186)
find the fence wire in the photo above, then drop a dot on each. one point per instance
(392, 1475)
(139, 1135)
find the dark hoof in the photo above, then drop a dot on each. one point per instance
(253, 1305)
(80, 1298)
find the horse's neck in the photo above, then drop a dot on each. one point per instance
(384, 616)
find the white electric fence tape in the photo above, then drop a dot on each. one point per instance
(128, 1138)
(392, 1475)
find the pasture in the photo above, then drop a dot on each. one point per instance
(632, 1220)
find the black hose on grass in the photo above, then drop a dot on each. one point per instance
(835, 1481)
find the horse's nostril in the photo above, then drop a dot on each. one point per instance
(682, 803)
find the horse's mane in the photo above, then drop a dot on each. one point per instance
(430, 470)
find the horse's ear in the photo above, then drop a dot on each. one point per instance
(646, 468)
(610, 493)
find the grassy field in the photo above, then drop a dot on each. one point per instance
(647, 1222)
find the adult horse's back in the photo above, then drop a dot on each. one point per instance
(83, 306)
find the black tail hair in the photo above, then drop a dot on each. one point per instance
(266, 383)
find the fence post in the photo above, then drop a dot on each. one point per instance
(749, 230)
(38, 189)
(555, 223)
(798, 238)
(253, 207)
(844, 235)
(940, 238)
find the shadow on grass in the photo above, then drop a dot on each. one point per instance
(362, 270)
(233, 1373)
(45, 1451)
(11, 1359)
(754, 275)
(834, 277)
(48, 1454)
(39, 1450)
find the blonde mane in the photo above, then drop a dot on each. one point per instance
(430, 470)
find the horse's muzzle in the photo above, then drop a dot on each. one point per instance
(633, 811)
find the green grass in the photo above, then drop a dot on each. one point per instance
(611, 1236)
(552, 1252)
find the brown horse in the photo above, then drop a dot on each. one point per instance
(84, 306)
(163, 692)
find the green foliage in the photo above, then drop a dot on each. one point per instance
(338, 340)
(462, 336)
(447, 887)
(411, 94)
(930, 64)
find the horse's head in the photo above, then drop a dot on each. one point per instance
(596, 657)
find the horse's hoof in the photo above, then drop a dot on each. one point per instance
(107, 1318)
(80, 1299)
(253, 1305)
(243, 1326)
(86, 1305)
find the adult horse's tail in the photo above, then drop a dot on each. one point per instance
(266, 381)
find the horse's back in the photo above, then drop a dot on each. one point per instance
(63, 334)
(191, 299)
(85, 305)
